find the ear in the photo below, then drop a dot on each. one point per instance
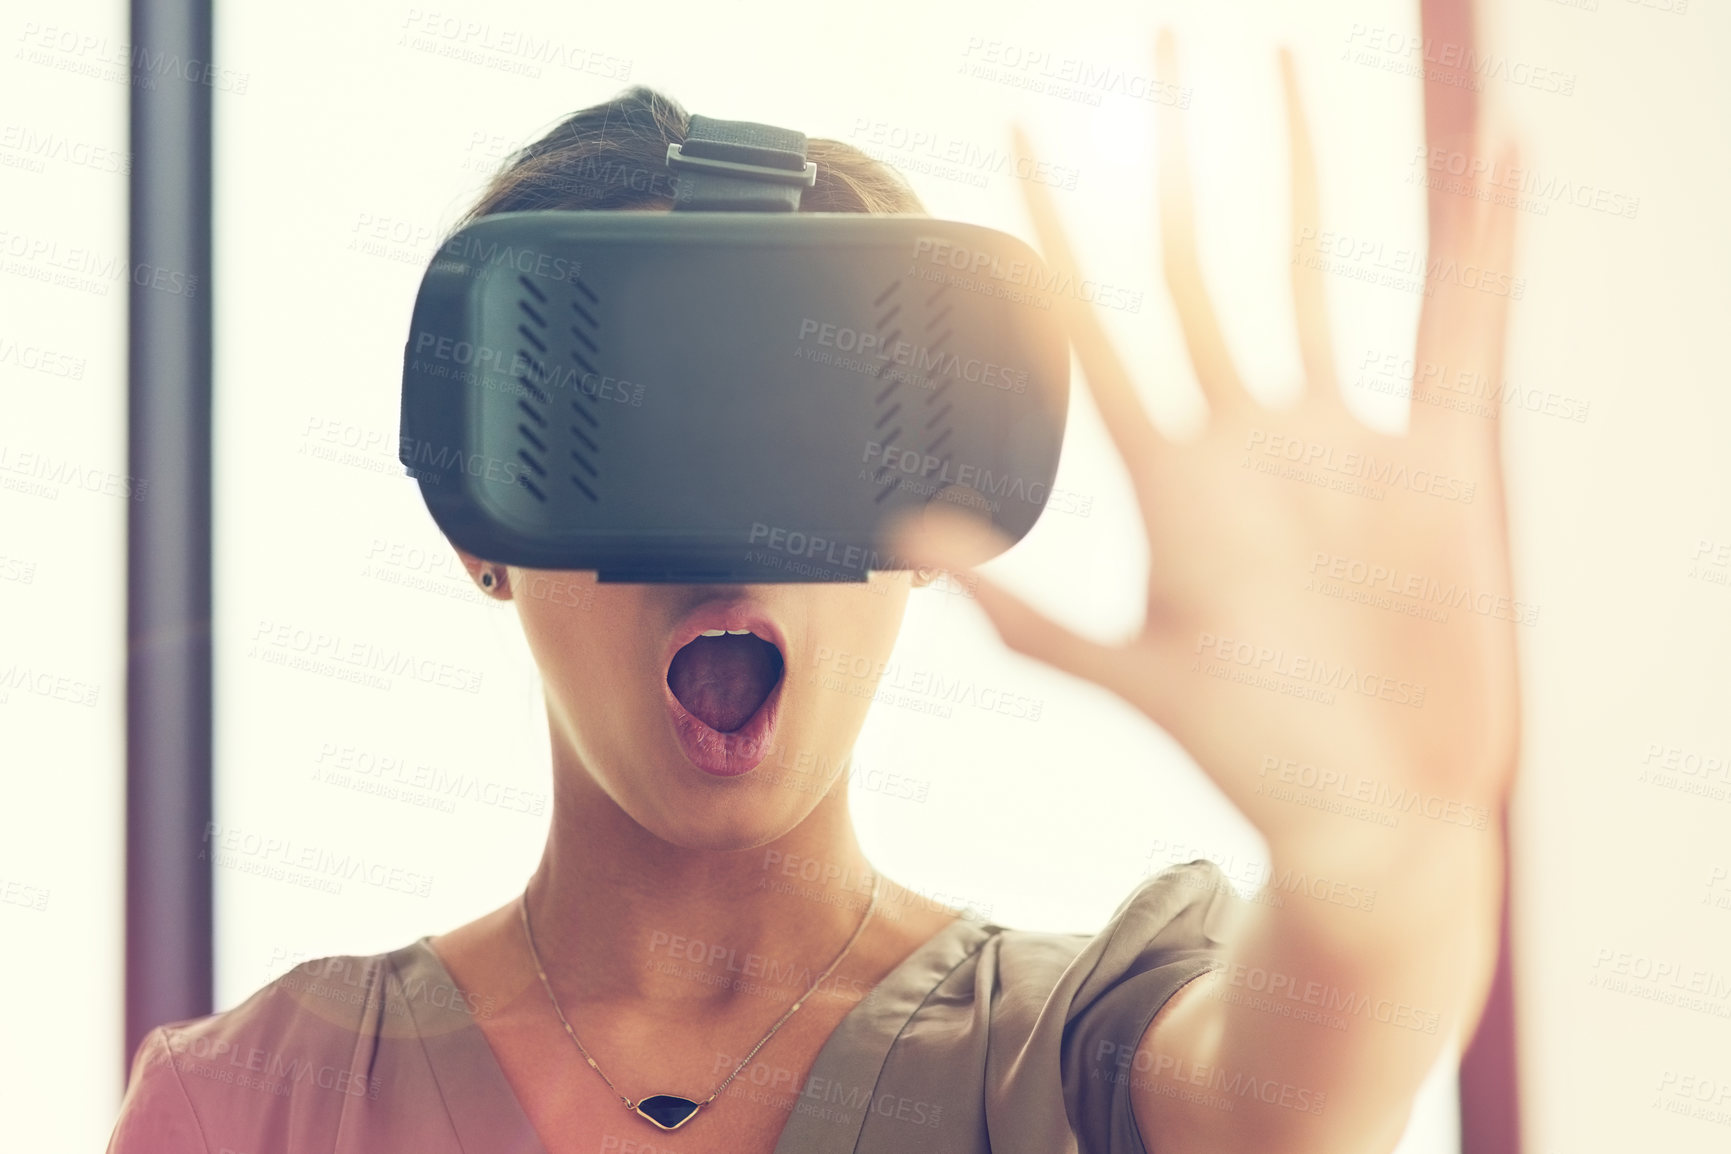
(499, 575)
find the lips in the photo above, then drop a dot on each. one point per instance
(725, 668)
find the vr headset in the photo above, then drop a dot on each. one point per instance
(732, 392)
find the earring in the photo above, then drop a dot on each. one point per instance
(487, 579)
(926, 574)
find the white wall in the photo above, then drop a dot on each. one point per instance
(64, 497)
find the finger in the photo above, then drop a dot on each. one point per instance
(951, 541)
(1463, 324)
(1202, 335)
(1315, 344)
(1451, 108)
(1126, 420)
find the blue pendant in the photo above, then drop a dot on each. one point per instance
(668, 1111)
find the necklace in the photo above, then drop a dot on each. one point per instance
(671, 1111)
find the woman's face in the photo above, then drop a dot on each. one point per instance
(706, 736)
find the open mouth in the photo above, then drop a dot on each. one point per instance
(723, 677)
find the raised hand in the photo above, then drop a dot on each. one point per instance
(1243, 655)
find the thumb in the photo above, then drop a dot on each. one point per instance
(949, 540)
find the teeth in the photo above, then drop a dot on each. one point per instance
(737, 632)
(712, 633)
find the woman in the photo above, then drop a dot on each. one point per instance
(705, 949)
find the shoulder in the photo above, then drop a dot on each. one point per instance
(292, 1054)
(1178, 914)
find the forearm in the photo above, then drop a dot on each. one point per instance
(1328, 1016)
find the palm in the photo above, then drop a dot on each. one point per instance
(1250, 653)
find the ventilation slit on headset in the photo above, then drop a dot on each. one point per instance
(584, 289)
(942, 437)
(540, 345)
(584, 313)
(529, 311)
(533, 291)
(533, 415)
(584, 337)
(892, 411)
(584, 489)
(584, 437)
(937, 416)
(885, 295)
(531, 462)
(540, 445)
(587, 467)
(523, 480)
(585, 414)
(888, 389)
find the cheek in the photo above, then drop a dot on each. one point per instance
(588, 652)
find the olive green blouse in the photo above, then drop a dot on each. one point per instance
(983, 1039)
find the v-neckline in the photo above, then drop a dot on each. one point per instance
(485, 1112)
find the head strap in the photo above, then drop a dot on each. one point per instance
(739, 166)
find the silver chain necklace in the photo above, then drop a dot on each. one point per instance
(671, 1111)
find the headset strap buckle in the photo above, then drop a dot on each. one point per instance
(739, 166)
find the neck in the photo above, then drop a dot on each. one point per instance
(620, 916)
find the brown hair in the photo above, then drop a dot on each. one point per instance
(613, 156)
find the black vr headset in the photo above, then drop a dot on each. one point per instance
(734, 391)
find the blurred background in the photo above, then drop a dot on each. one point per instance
(350, 136)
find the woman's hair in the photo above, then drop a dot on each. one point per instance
(613, 156)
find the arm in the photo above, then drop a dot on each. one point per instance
(1241, 602)
(1265, 1033)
